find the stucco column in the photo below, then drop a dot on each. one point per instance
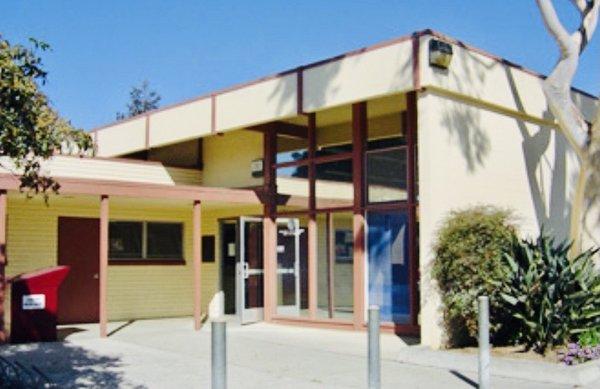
(3, 214)
(104, 215)
(197, 259)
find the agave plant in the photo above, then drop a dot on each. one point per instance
(550, 296)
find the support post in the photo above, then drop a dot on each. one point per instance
(218, 354)
(197, 260)
(269, 225)
(484, 342)
(359, 137)
(104, 215)
(312, 220)
(3, 262)
(374, 352)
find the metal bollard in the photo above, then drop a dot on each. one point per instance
(484, 342)
(374, 353)
(219, 354)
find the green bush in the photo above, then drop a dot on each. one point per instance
(552, 298)
(469, 263)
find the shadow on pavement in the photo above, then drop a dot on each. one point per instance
(67, 365)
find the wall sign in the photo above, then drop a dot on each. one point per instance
(32, 302)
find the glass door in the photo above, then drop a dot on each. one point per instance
(288, 266)
(250, 271)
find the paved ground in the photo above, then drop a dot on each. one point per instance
(168, 354)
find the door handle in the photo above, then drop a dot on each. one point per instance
(96, 276)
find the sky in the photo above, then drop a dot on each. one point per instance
(100, 49)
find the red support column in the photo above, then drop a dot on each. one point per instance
(413, 254)
(269, 224)
(104, 215)
(359, 137)
(197, 258)
(312, 221)
(3, 262)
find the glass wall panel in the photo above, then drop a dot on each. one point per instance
(291, 149)
(388, 264)
(335, 270)
(385, 122)
(334, 131)
(292, 188)
(386, 175)
(333, 185)
(292, 267)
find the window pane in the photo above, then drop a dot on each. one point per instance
(292, 188)
(335, 271)
(385, 122)
(165, 240)
(125, 239)
(386, 175)
(334, 131)
(292, 267)
(333, 186)
(389, 265)
(292, 139)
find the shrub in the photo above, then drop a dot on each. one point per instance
(469, 263)
(552, 298)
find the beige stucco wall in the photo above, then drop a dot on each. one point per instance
(122, 138)
(179, 123)
(479, 76)
(470, 156)
(227, 159)
(134, 292)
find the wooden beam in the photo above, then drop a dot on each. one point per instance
(312, 222)
(3, 262)
(330, 263)
(104, 216)
(283, 128)
(269, 226)
(359, 140)
(411, 125)
(197, 259)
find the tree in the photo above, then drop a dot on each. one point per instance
(142, 99)
(30, 129)
(582, 136)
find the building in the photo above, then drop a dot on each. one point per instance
(305, 196)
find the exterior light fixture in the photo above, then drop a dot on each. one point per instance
(440, 54)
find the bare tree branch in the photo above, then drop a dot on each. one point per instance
(581, 4)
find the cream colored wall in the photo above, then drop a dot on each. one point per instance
(227, 159)
(261, 102)
(186, 121)
(133, 291)
(360, 77)
(470, 156)
(484, 78)
(122, 138)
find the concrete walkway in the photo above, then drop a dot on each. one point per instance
(168, 354)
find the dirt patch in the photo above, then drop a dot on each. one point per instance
(515, 352)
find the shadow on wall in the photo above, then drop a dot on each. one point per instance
(68, 365)
(329, 88)
(552, 214)
(465, 122)
(548, 196)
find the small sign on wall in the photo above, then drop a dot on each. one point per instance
(32, 302)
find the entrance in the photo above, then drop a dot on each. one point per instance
(250, 270)
(79, 248)
(288, 266)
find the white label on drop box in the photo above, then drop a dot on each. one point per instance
(33, 301)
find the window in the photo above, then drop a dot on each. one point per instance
(145, 240)
(387, 175)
